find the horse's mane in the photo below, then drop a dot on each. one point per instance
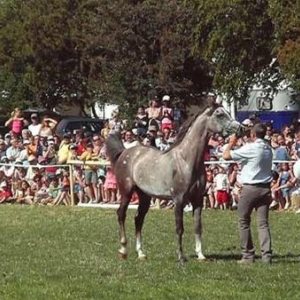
(187, 125)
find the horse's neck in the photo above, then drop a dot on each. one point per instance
(194, 144)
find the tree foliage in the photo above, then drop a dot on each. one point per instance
(82, 51)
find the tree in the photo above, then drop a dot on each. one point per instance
(237, 40)
(286, 20)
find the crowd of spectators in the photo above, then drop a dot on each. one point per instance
(33, 160)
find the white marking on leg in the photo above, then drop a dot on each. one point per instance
(199, 247)
(138, 248)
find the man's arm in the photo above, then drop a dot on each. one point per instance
(232, 142)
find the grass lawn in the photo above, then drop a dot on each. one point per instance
(71, 253)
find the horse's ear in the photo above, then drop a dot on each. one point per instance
(213, 105)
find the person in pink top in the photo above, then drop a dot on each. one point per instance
(16, 123)
(166, 113)
(110, 186)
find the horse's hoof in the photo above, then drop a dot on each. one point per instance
(122, 256)
(142, 257)
(182, 260)
(201, 259)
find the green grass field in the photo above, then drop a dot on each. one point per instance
(71, 253)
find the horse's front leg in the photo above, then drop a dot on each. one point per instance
(144, 204)
(197, 209)
(121, 219)
(179, 229)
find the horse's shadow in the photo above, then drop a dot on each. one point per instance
(276, 258)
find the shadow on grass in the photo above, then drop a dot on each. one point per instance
(286, 258)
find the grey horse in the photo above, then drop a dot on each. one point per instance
(178, 174)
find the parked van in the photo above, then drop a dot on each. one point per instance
(280, 109)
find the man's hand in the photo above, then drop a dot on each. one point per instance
(230, 145)
(233, 140)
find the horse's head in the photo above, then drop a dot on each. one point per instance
(221, 122)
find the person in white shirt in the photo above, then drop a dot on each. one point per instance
(221, 186)
(256, 176)
(35, 126)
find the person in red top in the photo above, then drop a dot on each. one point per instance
(5, 192)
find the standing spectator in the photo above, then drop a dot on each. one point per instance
(166, 113)
(284, 186)
(63, 152)
(209, 189)
(35, 127)
(115, 123)
(256, 176)
(17, 122)
(221, 185)
(295, 149)
(90, 174)
(281, 152)
(110, 186)
(105, 130)
(153, 113)
(47, 128)
(235, 182)
(141, 122)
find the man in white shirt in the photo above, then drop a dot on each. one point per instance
(35, 126)
(256, 176)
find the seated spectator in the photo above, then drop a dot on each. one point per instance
(2, 148)
(63, 195)
(7, 169)
(129, 141)
(24, 193)
(5, 193)
(13, 151)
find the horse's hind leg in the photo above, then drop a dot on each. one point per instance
(179, 228)
(144, 204)
(197, 210)
(125, 199)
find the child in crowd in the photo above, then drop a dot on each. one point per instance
(284, 186)
(5, 193)
(209, 189)
(221, 183)
(110, 186)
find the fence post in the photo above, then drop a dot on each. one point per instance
(71, 184)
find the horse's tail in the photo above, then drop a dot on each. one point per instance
(114, 147)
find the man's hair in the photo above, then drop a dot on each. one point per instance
(259, 130)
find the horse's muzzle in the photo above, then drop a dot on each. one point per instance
(242, 130)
